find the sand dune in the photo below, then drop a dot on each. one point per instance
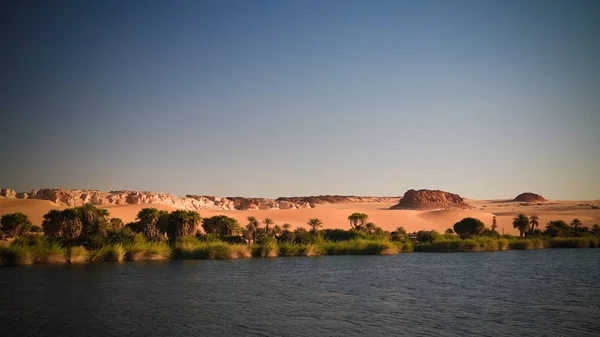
(335, 215)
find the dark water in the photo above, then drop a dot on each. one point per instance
(550, 292)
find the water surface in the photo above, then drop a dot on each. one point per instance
(547, 292)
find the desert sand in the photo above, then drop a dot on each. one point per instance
(335, 215)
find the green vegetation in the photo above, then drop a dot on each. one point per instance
(15, 224)
(87, 234)
(469, 227)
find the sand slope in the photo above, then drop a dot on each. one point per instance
(335, 215)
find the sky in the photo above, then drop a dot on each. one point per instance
(486, 99)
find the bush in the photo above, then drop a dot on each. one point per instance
(15, 224)
(469, 227)
(192, 248)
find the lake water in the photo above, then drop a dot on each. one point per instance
(547, 292)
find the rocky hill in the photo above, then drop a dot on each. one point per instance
(430, 199)
(72, 198)
(529, 197)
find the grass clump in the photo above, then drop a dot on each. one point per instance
(115, 252)
(581, 242)
(144, 250)
(16, 256)
(526, 244)
(192, 248)
(360, 247)
(78, 254)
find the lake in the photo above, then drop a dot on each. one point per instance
(545, 292)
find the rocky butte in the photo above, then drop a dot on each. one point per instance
(430, 199)
(529, 197)
(73, 198)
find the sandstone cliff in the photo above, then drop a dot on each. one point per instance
(73, 198)
(430, 199)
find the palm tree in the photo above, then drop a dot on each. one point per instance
(370, 227)
(286, 226)
(314, 223)
(576, 223)
(534, 222)
(252, 226)
(358, 220)
(277, 230)
(93, 219)
(153, 222)
(268, 222)
(521, 222)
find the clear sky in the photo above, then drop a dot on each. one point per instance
(486, 99)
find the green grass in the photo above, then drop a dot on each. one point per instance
(144, 250)
(188, 248)
(583, 242)
(78, 254)
(478, 244)
(527, 244)
(114, 252)
(18, 255)
(360, 247)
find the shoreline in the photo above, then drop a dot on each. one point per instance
(13, 256)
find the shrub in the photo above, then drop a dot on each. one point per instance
(582, 242)
(15, 224)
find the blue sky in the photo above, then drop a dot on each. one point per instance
(487, 99)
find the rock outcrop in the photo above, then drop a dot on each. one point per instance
(336, 199)
(430, 199)
(73, 198)
(529, 197)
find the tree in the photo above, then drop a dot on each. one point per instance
(449, 231)
(268, 222)
(252, 227)
(153, 223)
(116, 223)
(302, 236)
(557, 228)
(426, 236)
(494, 224)
(521, 222)
(314, 224)
(576, 223)
(93, 219)
(182, 223)
(596, 229)
(221, 225)
(15, 224)
(71, 225)
(534, 222)
(358, 220)
(399, 234)
(370, 227)
(469, 227)
(286, 234)
(277, 230)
